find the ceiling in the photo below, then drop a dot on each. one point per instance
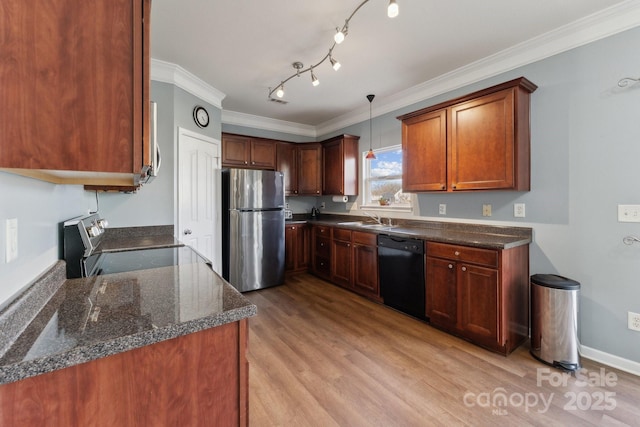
(244, 47)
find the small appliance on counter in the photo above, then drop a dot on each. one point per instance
(315, 213)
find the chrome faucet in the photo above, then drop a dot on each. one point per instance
(374, 217)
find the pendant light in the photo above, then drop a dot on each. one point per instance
(370, 155)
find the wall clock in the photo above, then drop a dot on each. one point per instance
(201, 116)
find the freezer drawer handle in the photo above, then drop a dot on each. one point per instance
(187, 231)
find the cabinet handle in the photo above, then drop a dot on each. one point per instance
(443, 187)
(246, 162)
(293, 228)
(321, 244)
(464, 268)
(450, 265)
(456, 253)
(253, 163)
(453, 186)
(348, 245)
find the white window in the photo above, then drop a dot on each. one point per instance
(382, 180)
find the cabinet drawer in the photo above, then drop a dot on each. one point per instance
(323, 246)
(361, 238)
(488, 257)
(322, 266)
(321, 230)
(342, 234)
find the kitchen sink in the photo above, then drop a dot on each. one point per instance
(378, 226)
(351, 223)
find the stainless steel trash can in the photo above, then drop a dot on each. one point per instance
(554, 321)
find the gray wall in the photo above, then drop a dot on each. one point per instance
(154, 203)
(585, 146)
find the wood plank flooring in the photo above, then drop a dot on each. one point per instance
(322, 356)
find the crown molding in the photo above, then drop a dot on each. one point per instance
(265, 123)
(168, 72)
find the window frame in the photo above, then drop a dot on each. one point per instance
(366, 202)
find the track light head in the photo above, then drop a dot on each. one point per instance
(334, 63)
(314, 79)
(280, 91)
(392, 9)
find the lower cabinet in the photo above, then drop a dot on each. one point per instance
(479, 294)
(341, 248)
(199, 379)
(321, 251)
(297, 248)
(347, 258)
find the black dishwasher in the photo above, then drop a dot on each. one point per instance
(401, 272)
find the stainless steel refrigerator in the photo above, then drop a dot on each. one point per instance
(252, 228)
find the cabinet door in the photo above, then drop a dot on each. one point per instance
(75, 89)
(442, 293)
(424, 152)
(286, 162)
(263, 154)
(236, 150)
(303, 248)
(479, 299)
(332, 168)
(310, 169)
(290, 241)
(482, 143)
(341, 263)
(365, 270)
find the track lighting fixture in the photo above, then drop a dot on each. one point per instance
(392, 9)
(341, 33)
(335, 64)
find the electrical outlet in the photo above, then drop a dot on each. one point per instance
(628, 213)
(518, 210)
(11, 248)
(442, 209)
(486, 210)
(634, 321)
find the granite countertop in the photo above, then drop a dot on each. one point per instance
(477, 235)
(90, 318)
(130, 238)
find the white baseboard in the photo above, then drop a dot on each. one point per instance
(610, 360)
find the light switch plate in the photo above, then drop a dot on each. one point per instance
(11, 233)
(628, 213)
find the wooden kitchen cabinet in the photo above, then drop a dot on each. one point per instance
(365, 265)
(340, 166)
(480, 141)
(341, 254)
(300, 165)
(297, 247)
(321, 251)
(248, 152)
(479, 294)
(75, 91)
(199, 379)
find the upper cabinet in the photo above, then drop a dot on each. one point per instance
(248, 152)
(480, 141)
(301, 166)
(75, 91)
(340, 166)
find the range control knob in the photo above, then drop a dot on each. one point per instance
(94, 231)
(102, 223)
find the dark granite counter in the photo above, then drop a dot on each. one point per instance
(478, 235)
(90, 318)
(129, 238)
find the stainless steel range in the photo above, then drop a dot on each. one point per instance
(84, 238)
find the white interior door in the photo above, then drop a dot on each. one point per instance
(199, 195)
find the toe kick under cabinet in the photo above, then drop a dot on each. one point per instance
(479, 294)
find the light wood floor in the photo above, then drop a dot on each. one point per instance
(323, 356)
